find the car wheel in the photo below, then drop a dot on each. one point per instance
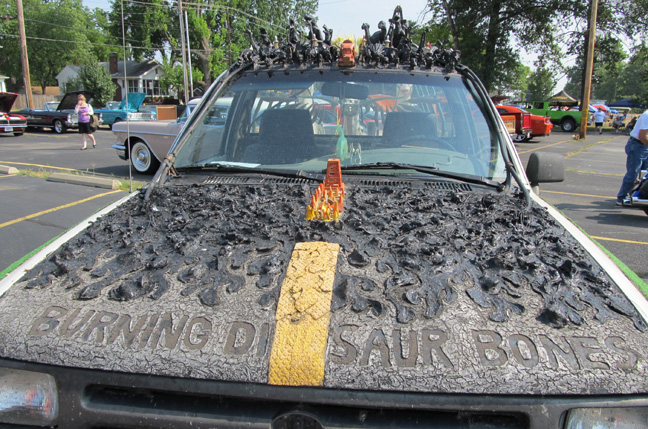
(519, 138)
(142, 159)
(58, 127)
(18, 134)
(568, 125)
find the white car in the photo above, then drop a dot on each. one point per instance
(272, 275)
(146, 143)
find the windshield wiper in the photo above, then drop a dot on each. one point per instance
(468, 178)
(293, 174)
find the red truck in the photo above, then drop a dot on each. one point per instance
(518, 123)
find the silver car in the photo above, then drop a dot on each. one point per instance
(146, 143)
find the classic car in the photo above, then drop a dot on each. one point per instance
(52, 105)
(518, 123)
(60, 119)
(10, 122)
(540, 126)
(280, 277)
(146, 144)
(111, 115)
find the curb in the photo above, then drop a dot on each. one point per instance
(8, 170)
(97, 182)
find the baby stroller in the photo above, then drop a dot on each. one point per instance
(639, 194)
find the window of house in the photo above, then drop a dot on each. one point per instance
(133, 86)
(152, 87)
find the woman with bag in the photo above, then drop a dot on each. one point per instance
(85, 112)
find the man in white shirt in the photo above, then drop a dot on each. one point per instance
(637, 160)
(599, 117)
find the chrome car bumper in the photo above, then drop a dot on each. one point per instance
(121, 150)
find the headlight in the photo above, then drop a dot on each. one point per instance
(27, 398)
(603, 418)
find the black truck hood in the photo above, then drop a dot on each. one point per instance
(70, 99)
(423, 290)
(7, 100)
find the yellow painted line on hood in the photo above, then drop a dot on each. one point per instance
(31, 216)
(298, 356)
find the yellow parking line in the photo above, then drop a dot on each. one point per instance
(578, 195)
(31, 216)
(543, 147)
(596, 173)
(592, 236)
(619, 240)
(40, 165)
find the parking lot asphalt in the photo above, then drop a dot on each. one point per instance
(594, 168)
(34, 211)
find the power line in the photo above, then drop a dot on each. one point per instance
(160, 48)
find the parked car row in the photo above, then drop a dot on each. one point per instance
(60, 118)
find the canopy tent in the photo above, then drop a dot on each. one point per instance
(628, 102)
(562, 99)
(606, 108)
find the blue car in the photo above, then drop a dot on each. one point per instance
(126, 111)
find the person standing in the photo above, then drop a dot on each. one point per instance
(85, 112)
(599, 117)
(636, 150)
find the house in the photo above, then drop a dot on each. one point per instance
(140, 76)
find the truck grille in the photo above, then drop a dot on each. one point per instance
(141, 116)
(102, 399)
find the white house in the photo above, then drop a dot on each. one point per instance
(3, 87)
(140, 77)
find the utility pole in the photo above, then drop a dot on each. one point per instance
(184, 54)
(589, 66)
(23, 53)
(189, 52)
(229, 35)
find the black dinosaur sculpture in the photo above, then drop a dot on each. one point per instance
(384, 48)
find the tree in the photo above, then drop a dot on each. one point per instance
(98, 35)
(149, 26)
(172, 78)
(541, 82)
(609, 57)
(486, 32)
(56, 37)
(95, 78)
(218, 29)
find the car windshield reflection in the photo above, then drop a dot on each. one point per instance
(300, 120)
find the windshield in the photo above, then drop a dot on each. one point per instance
(301, 119)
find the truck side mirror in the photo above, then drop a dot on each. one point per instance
(545, 167)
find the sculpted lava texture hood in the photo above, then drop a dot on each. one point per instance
(419, 289)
